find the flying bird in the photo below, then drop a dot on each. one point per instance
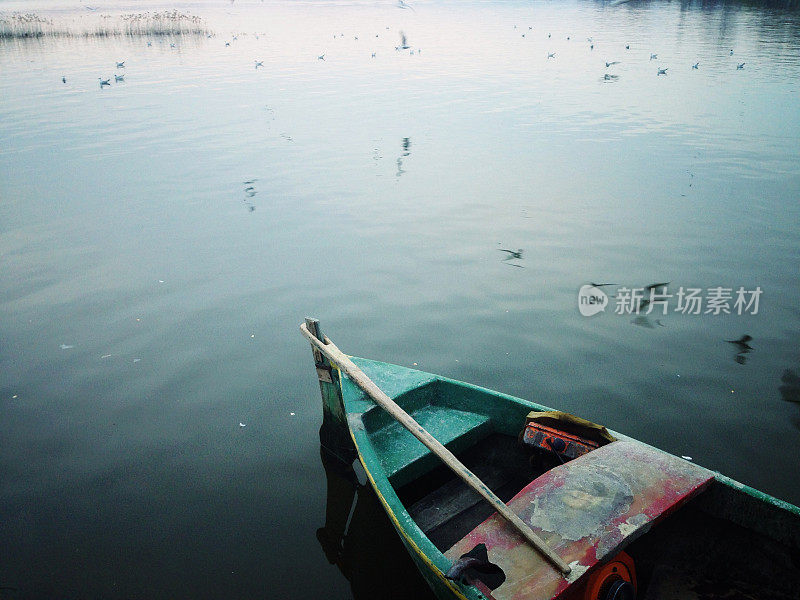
(742, 342)
(512, 254)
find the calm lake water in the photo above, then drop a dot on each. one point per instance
(161, 239)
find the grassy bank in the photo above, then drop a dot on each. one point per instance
(30, 25)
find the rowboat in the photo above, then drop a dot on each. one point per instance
(499, 498)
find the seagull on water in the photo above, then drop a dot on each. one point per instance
(104, 81)
(740, 66)
(662, 71)
(259, 63)
(613, 62)
(321, 57)
(696, 65)
(118, 78)
(121, 65)
(653, 56)
(551, 55)
(63, 79)
(402, 4)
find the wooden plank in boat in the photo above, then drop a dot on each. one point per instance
(587, 510)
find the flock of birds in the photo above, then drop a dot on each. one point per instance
(258, 63)
(404, 45)
(105, 82)
(659, 70)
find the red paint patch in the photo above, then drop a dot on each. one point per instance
(587, 510)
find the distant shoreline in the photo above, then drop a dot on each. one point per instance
(88, 22)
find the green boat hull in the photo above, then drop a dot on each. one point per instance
(459, 414)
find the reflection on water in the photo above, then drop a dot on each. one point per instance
(250, 193)
(392, 191)
(406, 151)
(742, 347)
(359, 539)
(790, 386)
(790, 391)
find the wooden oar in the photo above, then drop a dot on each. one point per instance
(358, 377)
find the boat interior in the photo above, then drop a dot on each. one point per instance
(693, 553)
(714, 542)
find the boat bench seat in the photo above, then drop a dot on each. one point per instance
(586, 510)
(404, 457)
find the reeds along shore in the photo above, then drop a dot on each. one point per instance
(27, 25)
